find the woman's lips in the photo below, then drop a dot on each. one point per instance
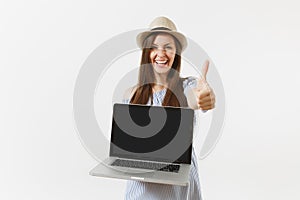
(161, 63)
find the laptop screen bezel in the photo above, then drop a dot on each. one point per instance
(186, 156)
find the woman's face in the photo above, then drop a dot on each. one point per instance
(163, 51)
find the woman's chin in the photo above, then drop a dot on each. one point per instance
(161, 69)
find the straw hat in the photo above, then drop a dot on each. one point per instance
(165, 25)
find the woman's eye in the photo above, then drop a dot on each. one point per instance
(170, 48)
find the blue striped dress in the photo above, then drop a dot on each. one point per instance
(137, 190)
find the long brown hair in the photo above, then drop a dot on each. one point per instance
(146, 79)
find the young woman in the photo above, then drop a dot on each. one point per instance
(159, 83)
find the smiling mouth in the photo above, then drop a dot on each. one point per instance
(161, 63)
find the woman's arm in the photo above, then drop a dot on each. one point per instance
(198, 92)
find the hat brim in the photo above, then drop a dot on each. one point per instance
(180, 37)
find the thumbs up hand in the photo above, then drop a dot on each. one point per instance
(205, 97)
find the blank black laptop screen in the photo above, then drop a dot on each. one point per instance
(153, 133)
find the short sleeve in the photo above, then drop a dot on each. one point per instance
(125, 101)
(189, 83)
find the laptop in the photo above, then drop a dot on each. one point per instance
(149, 143)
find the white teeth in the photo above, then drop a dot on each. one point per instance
(161, 62)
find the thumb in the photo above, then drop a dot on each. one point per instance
(204, 69)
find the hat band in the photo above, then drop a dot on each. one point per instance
(161, 28)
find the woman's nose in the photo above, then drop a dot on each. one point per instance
(161, 52)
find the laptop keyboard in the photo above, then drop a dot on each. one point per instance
(146, 165)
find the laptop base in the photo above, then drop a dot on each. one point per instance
(101, 170)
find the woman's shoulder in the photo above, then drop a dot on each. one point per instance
(129, 92)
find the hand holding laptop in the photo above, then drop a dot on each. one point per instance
(133, 157)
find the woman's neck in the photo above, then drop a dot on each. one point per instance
(161, 79)
(160, 83)
(157, 88)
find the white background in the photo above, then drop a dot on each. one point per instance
(255, 46)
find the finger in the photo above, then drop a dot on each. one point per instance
(204, 69)
(206, 107)
(205, 92)
(209, 99)
(207, 103)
